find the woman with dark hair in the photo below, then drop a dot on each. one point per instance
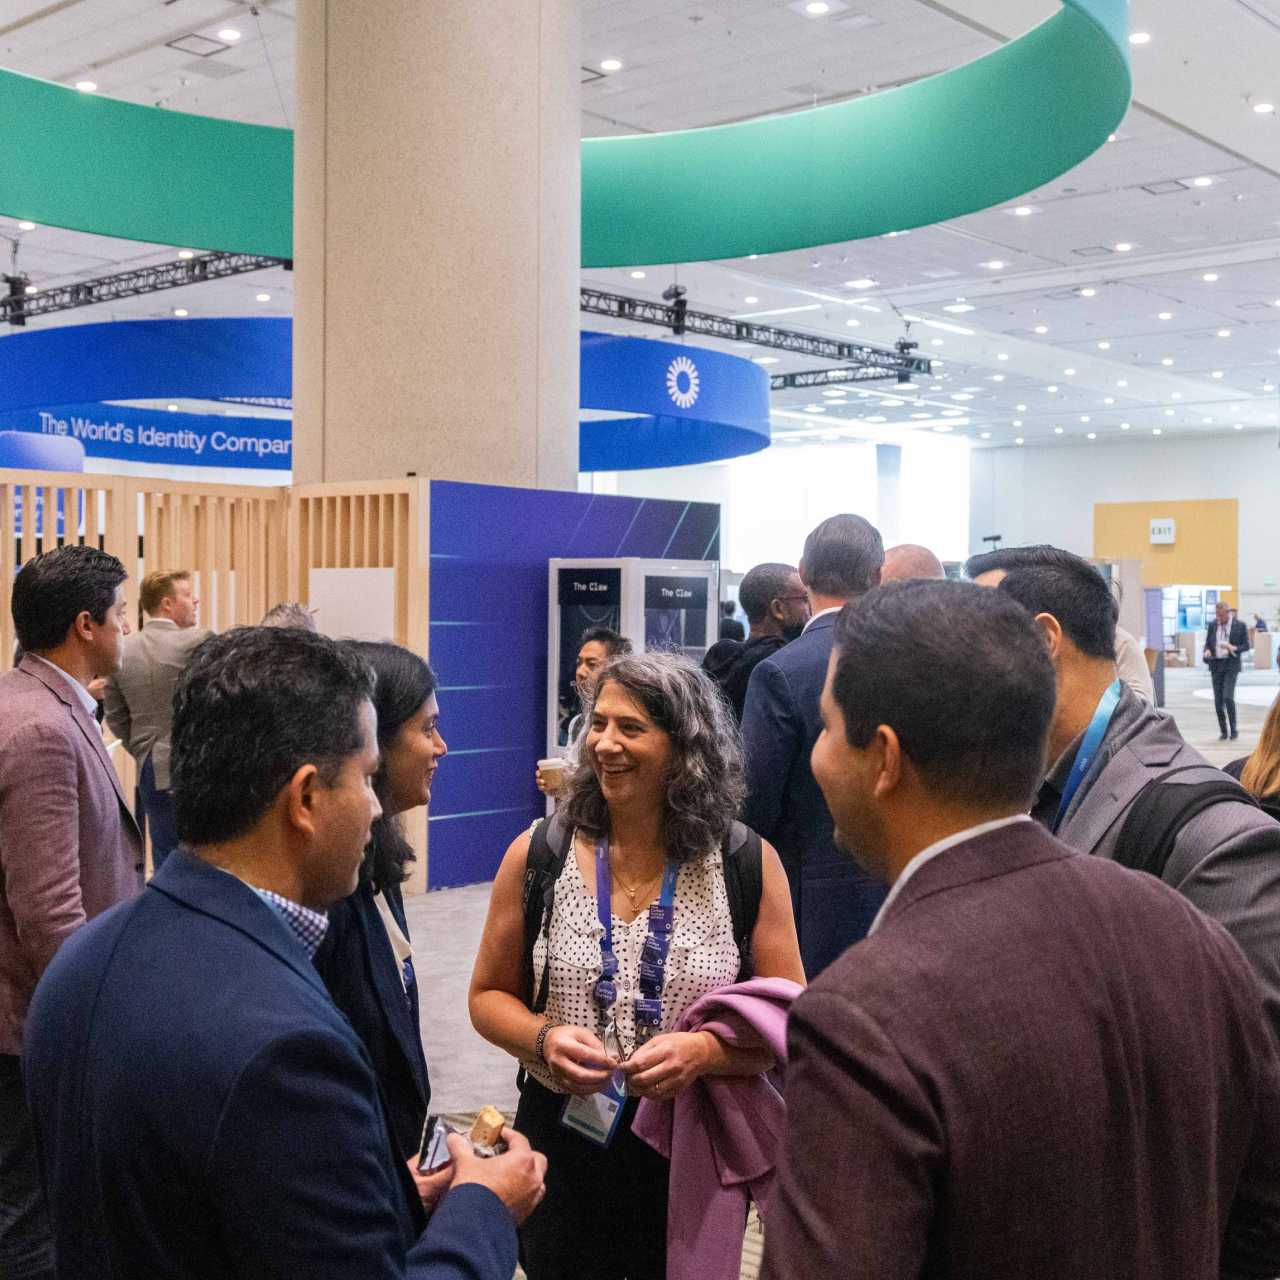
(640, 928)
(366, 958)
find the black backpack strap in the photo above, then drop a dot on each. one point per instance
(743, 883)
(1160, 812)
(548, 847)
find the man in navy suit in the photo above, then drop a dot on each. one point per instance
(834, 901)
(1225, 641)
(201, 1107)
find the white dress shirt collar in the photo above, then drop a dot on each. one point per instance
(940, 846)
(822, 613)
(87, 700)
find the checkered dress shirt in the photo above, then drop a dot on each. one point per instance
(308, 926)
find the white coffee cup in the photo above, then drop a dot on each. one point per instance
(553, 772)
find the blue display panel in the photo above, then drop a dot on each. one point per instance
(488, 609)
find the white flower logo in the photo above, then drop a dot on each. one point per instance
(682, 382)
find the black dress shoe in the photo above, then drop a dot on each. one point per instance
(1234, 736)
(1222, 737)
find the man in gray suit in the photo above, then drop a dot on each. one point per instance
(1037, 1064)
(69, 848)
(139, 697)
(1106, 746)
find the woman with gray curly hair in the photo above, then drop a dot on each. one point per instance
(639, 928)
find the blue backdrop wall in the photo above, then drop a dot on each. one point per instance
(488, 603)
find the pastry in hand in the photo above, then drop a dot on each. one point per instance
(488, 1127)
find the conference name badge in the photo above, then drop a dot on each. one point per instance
(596, 1116)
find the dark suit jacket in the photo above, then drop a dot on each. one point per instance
(360, 969)
(834, 901)
(69, 847)
(1040, 1065)
(202, 1109)
(1238, 636)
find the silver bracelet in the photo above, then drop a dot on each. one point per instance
(540, 1044)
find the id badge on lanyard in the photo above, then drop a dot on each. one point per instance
(596, 1116)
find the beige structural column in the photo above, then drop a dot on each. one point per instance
(436, 241)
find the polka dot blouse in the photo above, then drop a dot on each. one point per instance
(703, 955)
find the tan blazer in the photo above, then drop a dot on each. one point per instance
(139, 697)
(69, 847)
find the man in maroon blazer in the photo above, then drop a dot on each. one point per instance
(1037, 1064)
(69, 848)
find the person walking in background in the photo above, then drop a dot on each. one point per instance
(654, 897)
(834, 901)
(1123, 784)
(730, 627)
(1038, 1064)
(1259, 772)
(69, 848)
(908, 561)
(1226, 640)
(989, 570)
(139, 697)
(236, 1129)
(367, 958)
(777, 607)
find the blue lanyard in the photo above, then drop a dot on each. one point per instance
(653, 958)
(1093, 737)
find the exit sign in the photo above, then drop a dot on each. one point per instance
(1164, 532)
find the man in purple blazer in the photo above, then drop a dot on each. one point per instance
(1038, 1063)
(69, 848)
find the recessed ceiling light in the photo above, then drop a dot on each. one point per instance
(229, 34)
(1177, 395)
(997, 377)
(815, 408)
(1023, 211)
(1224, 333)
(180, 311)
(1210, 277)
(1088, 293)
(943, 427)
(751, 300)
(959, 308)
(1021, 408)
(1111, 137)
(1124, 426)
(1069, 373)
(937, 342)
(264, 297)
(1093, 435)
(87, 86)
(1238, 426)
(610, 64)
(1104, 346)
(962, 395)
(1168, 413)
(765, 360)
(1217, 373)
(1139, 37)
(853, 322)
(1268, 386)
(1052, 390)
(876, 417)
(1264, 108)
(185, 254)
(32, 289)
(1208, 422)
(995, 265)
(1057, 431)
(26, 226)
(1167, 362)
(1042, 329)
(1124, 247)
(751, 257)
(1017, 422)
(1155, 431)
(1084, 417)
(1109, 400)
(1202, 182)
(173, 408)
(817, 8)
(1019, 440)
(986, 435)
(862, 282)
(1003, 355)
(1122, 382)
(1165, 315)
(640, 275)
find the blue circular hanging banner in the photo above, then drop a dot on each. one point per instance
(685, 404)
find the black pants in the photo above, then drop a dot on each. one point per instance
(1224, 693)
(604, 1216)
(26, 1240)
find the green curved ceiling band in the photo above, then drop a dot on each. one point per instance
(70, 159)
(955, 143)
